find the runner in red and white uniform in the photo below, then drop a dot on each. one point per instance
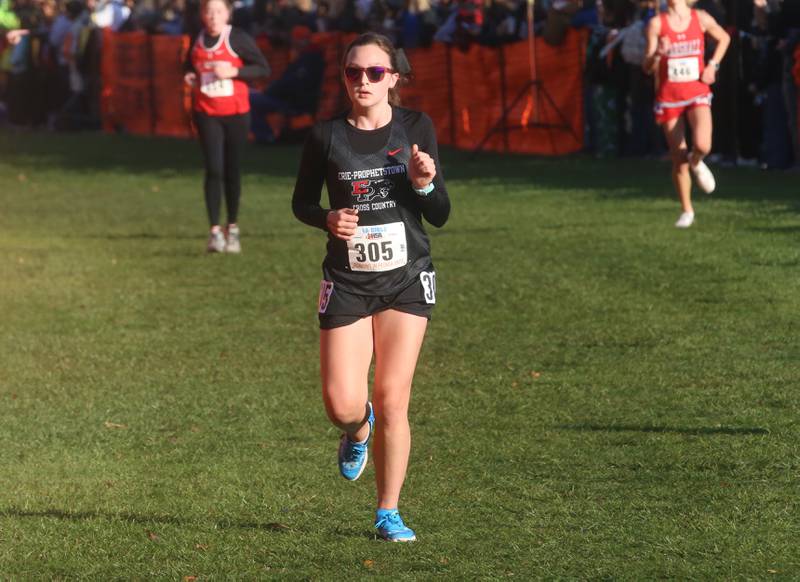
(218, 67)
(675, 49)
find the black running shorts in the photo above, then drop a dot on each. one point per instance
(338, 308)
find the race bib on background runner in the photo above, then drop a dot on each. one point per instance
(683, 70)
(213, 87)
(381, 247)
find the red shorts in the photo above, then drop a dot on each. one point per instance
(666, 110)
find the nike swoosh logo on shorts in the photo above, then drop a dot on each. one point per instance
(395, 152)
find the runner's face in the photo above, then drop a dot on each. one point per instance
(364, 93)
(677, 4)
(215, 17)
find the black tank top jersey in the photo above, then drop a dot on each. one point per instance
(367, 170)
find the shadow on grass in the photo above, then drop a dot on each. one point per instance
(354, 533)
(273, 233)
(700, 431)
(140, 519)
(779, 229)
(139, 236)
(473, 231)
(168, 158)
(94, 152)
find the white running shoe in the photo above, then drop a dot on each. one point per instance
(216, 242)
(233, 244)
(685, 220)
(703, 177)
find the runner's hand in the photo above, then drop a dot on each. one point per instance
(342, 223)
(14, 36)
(190, 78)
(225, 70)
(421, 168)
(709, 75)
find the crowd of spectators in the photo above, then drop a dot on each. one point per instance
(51, 77)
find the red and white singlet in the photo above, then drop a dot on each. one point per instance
(214, 96)
(679, 71)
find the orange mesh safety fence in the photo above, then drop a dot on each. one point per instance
(277, 62)
(171, 96)
(463, 93)
(496, 105)
(796, 68)
(429, 90)
(549, 113)
(126, 98)
(476, 94)
(483, 97)
(332, 95)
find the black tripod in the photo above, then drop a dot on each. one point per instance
(535, 91)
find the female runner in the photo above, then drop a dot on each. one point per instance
(380, 164)
(220, 61)
(676, 47)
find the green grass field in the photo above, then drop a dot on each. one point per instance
(600, 395)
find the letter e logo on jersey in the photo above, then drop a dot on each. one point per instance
(368, 190)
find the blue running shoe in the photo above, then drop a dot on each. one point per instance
(353, 456)
(391, 528)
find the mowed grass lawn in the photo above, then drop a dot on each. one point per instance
(600, 395)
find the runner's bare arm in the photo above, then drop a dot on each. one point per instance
(715, 31)
(651, 51)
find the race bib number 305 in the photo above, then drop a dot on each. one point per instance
(683, 70)
(213, 87)
(381, 247)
